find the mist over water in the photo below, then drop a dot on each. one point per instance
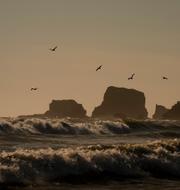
(38, 152)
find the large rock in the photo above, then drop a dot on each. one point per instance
(173, 113)
(121, 102)
(159, 112)
(66, 108)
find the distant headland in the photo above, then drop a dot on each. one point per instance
(117, 103)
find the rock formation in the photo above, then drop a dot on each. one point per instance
(159, 112)
(66, 108)
(123, 102)
(173, 113)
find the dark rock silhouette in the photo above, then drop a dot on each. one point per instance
(65, 108)
(173, 113)
(123, 102)
(159, 112)
(120, 115)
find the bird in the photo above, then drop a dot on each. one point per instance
(131, 77)
(98, 68)
(53, 49)
(165, 78)
(34, 89)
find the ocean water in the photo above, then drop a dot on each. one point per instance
(53, 154)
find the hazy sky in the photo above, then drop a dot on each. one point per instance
(125, 36)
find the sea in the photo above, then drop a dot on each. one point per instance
(89, 154)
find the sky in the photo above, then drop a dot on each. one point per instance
(125, 36)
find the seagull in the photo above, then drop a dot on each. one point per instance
(165, 78)
(99, 68)
(53, 49)
(131, 77)
(34, 89)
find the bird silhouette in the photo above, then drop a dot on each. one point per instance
(53, 49)
(165, 78)
(33, 89)
(98, 68)
(131, 77)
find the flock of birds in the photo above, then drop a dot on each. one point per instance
(132, 76)
(98, 68)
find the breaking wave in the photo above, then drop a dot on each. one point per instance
(86, 127)
(50, 126)
(85, 163)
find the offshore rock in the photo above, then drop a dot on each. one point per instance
(122, 102)
(173, 113)
(159, 112)
(66, 108)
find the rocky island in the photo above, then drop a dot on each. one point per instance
(123, 103)
(159, 112)
(65, 108)
(173, 113)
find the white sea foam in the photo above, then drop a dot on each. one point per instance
(49, 126)
(29, 166)
(86, 127)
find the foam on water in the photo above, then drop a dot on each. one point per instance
(29, 166)
(47, 126)
(84, 127)
(40, 151)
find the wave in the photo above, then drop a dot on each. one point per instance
(93, 162)
(87, 127)
(57, 126)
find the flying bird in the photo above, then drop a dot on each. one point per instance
(99, 68)
(53, 49)
(131, 77)
(33, 89)
(165, 78)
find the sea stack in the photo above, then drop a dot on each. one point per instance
(65, 108)
(159, 112)
(173, 113)
(123, 103)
